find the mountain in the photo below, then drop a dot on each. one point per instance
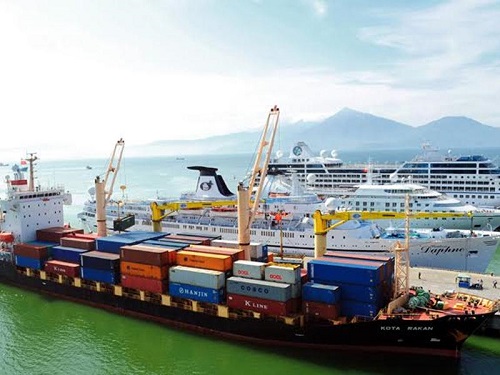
(347, 130)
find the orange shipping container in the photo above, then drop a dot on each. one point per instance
(143, 270)
(208, 261)
(235, 254)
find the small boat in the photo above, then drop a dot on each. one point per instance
(89, 167)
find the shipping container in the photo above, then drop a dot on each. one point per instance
(63, 268)
(197, 276)
(55, 234)
(67, 254)
(36, 264)
(181, 240)
(315, 292)
(153, 255)
(79, 243)
(235, 254)
(388, 260)
(31, 251)
(200, 239)
(86, 236)
(355, 308)
(259, 288)
(103, 276)
(260, 305)
(100, 260)
(363, 293)
(167, 244)
(214, 262)
(211, 237)
(112, 244)
(329, 271)
(257, 249)
(249, 269)
(320, 310)
(282, 273)
(144, 270)
(145, 284)
(196, 293)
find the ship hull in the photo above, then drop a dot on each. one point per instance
(441, 336)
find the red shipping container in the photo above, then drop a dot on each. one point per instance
(320, 310)
(62, 268)
(145, 284)
(78, 243)
(303, 276)
(260, 305)
(55, 234)
(31, 251)
(86, 236)
(153, 255)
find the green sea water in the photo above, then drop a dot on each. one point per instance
(43, 335)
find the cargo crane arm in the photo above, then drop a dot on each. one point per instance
(104, 187)
(322, 225)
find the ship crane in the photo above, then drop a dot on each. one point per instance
(104, 187)
(322, 225)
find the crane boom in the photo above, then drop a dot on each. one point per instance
(104, 188)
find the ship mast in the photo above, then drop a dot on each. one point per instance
(247, 211)
(104, 188)
(31, 160)
(402, 257)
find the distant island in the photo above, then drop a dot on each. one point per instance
(346, 130)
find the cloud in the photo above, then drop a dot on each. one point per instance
(319, 7)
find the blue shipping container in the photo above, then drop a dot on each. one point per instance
(333, 273)
(315, 292)
(112, 244)
(196, 293)
(36, 264)
(353, 308)
(100, 260)
(110, 277)
(362, 293)
(67, 254)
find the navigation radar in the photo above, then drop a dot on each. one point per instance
(323, 153)
(279, 154)
(334, 153)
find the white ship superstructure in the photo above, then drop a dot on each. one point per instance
(473, 179)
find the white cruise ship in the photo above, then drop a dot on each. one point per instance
(440, 248)
(474, 179)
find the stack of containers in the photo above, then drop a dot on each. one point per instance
(258, 251)
(320, 301)
(388, 282)
(54, 234)
(248, 290)
(187, 282)
(66, 256)
(146, 267)
(112, 244)
(160, 242)
(100, 266)
(31, 255)
(359, 281)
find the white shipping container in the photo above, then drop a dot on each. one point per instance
(249, 269)
(282, 274)
(256, 248)
(197, 277)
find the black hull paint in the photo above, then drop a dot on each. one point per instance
(443, 336)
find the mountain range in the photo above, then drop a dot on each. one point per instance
(346, 130)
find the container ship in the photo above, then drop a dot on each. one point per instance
(331, 302)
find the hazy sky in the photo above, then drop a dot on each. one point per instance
(75, 76)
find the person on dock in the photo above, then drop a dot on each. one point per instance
(419, 275)
(494, 284)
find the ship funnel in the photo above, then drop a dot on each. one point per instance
(211, 185)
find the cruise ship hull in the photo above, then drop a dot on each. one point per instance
(442, 336)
